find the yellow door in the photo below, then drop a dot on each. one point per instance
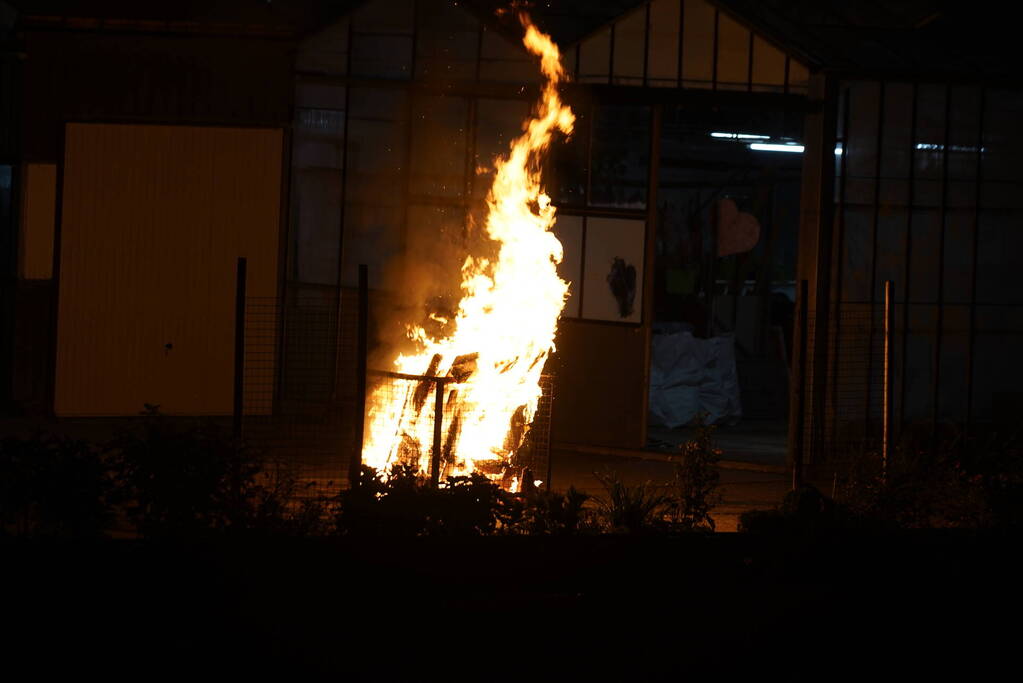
(153, 220)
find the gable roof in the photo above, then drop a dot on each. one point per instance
(915, 39)
(893, 38)
(566, 21)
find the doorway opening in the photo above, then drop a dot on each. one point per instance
(725, 278)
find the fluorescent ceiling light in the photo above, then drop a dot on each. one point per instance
(763, 147)
(931, 147)
(740, 136)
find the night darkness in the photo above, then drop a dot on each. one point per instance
(567, 340)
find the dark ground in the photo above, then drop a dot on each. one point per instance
(926, 605)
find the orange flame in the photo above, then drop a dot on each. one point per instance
(507, 315)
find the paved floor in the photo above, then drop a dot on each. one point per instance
(750, 440)
(754, 474)
(742, 488)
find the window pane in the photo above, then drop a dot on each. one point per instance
(376, 146)
(503, 61)
(325, 52)
(317, 205)
(861, 138)
(930, 131)
(621, 153)
(923, 269)
(857, 253)
(439, 146)
(435, 251)
(447, 41)
(498, 122)
(570, 159)
(897, 131)
(957, 278)
(1003, 145)
(381, 56)
(373, 235)
(999, 238)
(390, 16)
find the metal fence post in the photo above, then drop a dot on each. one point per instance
(797, 432)
(438, 428)
(550, 419)
(239, 347)
(362, 350)
(888, 432)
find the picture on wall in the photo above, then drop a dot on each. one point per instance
(603, 264)
(613, 270)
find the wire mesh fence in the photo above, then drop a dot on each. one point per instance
(295, 411)
(844, 409)
(423, 421)
(301, 409)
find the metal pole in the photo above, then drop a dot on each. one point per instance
(889, 376)
(879, 152)
(971, 339)
(239, 346)
(438, 428)
(362, 349)
(821, 221)
(550, 420)
(797, 432)
(940, 309)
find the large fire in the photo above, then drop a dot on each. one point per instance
(494, 353)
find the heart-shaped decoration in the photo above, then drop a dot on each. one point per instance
(738, 231)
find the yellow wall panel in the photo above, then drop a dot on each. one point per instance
(698, 44)
(663, 57)
(153, 220)
(595, 57)
(768, 66)
(733, 54)
(630, 41)
(799, 76)
(39, 201)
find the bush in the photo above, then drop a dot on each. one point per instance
(407, 504)
(553, 513)
(923, 487)
(804, 511)
(53, 487)
(994, 462)
(190, 479)
(694, 489)
(631, 509)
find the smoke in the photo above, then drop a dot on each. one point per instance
(424, 281)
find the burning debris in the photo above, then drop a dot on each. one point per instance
(483, 364)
